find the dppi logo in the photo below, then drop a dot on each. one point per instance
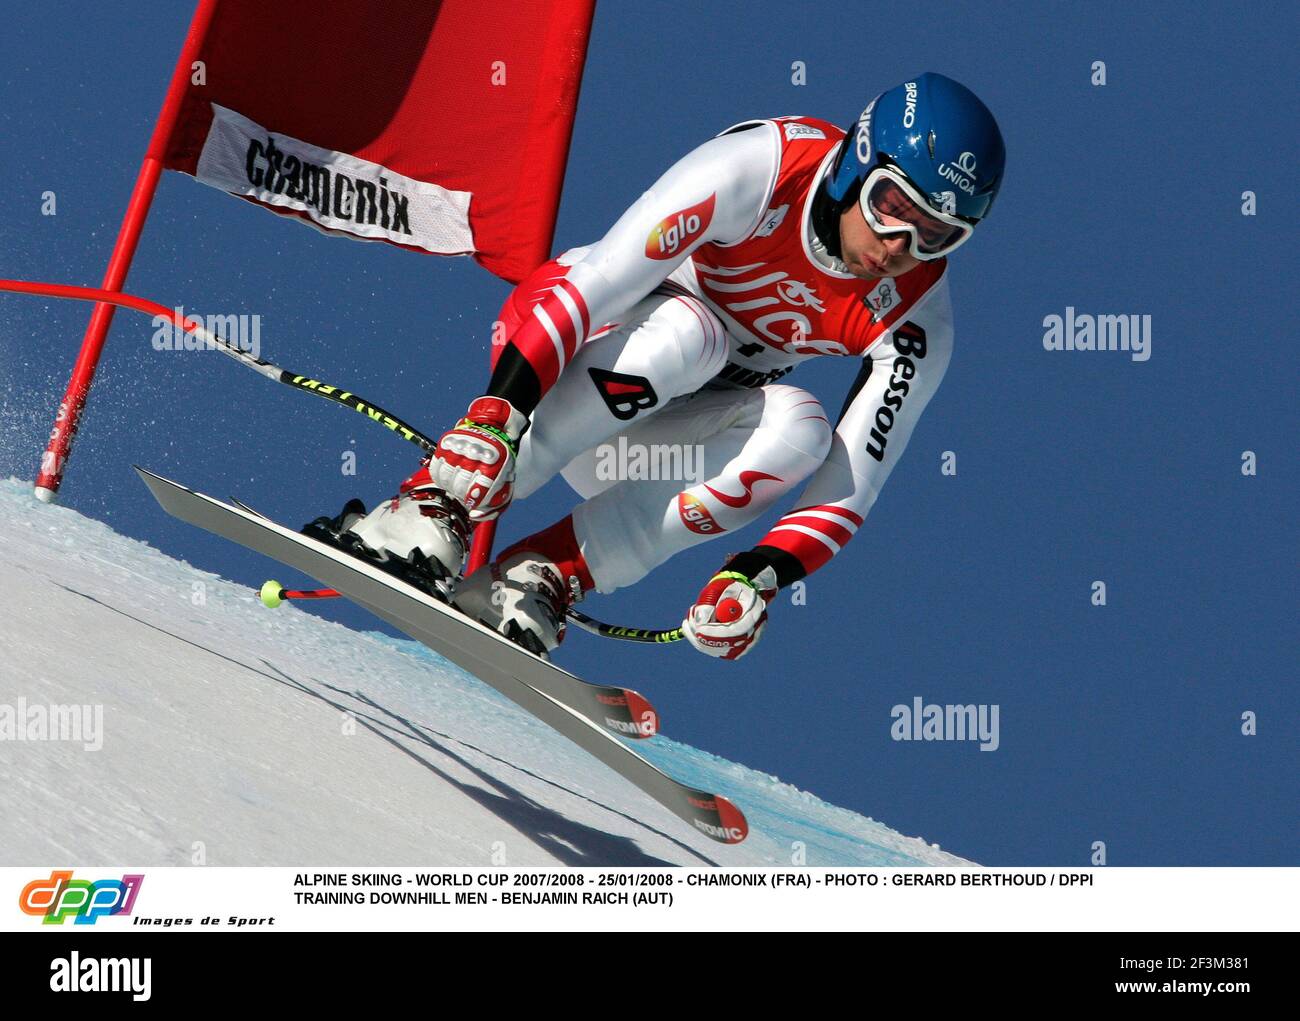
(677, 231)
(60, 896)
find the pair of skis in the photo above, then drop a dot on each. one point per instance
(592, 716)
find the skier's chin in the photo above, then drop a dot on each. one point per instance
(865, 268)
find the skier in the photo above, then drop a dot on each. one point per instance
(777, 241)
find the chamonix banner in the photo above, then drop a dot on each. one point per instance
(442, 127)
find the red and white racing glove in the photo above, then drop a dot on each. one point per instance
(730, 613)
(474, 463)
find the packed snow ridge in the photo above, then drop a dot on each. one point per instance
(196, 725)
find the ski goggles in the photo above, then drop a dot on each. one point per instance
(932, 232)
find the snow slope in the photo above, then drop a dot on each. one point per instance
(258, 737)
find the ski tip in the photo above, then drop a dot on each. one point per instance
(643, 714)
(716, 817)
(734, 824)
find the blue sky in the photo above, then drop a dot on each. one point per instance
(1119, 724)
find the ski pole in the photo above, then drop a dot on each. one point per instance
(305, 384)
(272, 372)
(272, 594)
(653, 636)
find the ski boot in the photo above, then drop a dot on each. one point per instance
(420, 536)
(526, 593)
(522, 596)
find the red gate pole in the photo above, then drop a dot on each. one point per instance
(73, 404)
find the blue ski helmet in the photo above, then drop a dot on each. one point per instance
(938, 133)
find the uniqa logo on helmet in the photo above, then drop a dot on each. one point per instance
(909, 106)
(961, 173)
(863, 140)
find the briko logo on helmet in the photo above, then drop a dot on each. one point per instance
(909, 108)
(863, 138)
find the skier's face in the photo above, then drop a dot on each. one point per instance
(869, 255)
